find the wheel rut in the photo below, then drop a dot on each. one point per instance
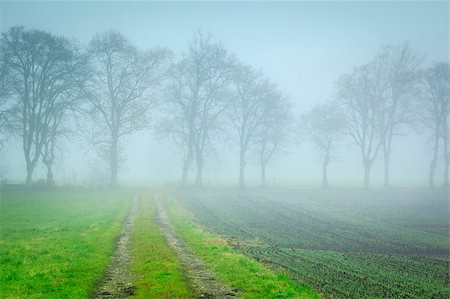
(118, 279)
(203, 280)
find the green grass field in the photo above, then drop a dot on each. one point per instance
(347, 243)
(57, 244)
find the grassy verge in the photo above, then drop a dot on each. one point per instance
(251, 278)
(57, 244)
(158, 272)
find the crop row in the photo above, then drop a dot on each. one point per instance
(361, 275)
(336, 250)
(289, 225)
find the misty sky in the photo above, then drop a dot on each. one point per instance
(301, 46)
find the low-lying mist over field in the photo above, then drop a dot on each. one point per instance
(208, 92)
(224, 149)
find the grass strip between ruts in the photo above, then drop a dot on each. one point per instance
(157, 270)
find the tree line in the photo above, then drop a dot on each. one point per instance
(204, 97)
(380, 101)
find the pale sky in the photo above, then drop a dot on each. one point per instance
(302, 46)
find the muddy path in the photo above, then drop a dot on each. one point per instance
(204, 282)
(118, 279)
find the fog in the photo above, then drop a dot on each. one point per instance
(303, 48)
(207, 149)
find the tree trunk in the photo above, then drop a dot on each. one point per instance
(199, 160)
(434, 160)
(446, 156)
(367, 167)
(188, 159)
(114, 159)
(325, 174)
(262, 162)
(387, 158)
(242, 169)
(386, 172)
(186, 164)
(184, 175)
(325, 163)
(50, 179)
(29, 178)
(263, 175)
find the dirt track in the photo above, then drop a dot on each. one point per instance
(118, 280)
(203, 280)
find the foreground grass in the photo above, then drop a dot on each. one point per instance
(57, 244)
(158, 272)
(251, 278)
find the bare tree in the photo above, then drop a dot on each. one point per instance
(63, 97)
(246, 110)
(118, 90)
(195, 100)
(50, 144)
(212, 102)
(273, 131)
(5, 89)
(179, 109)
(322, 126)
(5, 93)
(360, 95)
(436, 118)
(56, 127)
(37, 62)
(403, 75)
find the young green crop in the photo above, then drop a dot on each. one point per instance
(348, 243)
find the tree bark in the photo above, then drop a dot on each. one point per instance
(50, 179)
(434, 160)
(263, 175)
(325, 175)
(29, 178)
(386, 172)
(242, 169)
(325, 163)
(186, 164)
(387, 158)
(184, 175)
(446, 163)
(114, 159)
(262, 162)
(199, 161)
(367, 168)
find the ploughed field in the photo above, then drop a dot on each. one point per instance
(346, 243)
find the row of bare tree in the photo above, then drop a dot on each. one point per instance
(46, 79)
(377, 102)
(207, 96)
(210, 95)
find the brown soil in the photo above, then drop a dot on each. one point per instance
(203, 280)
(118, 279)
